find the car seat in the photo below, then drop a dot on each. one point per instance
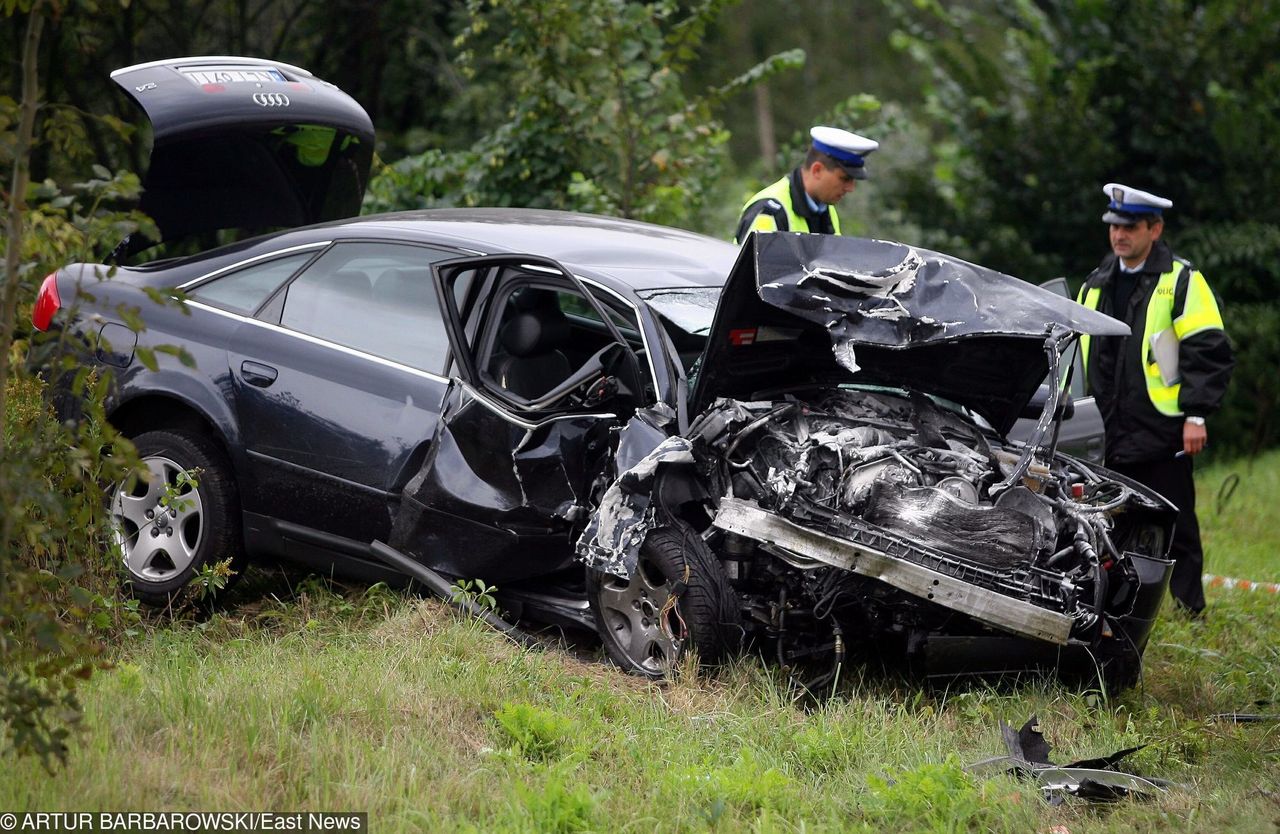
(532, 334)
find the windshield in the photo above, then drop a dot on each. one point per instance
(689, 308)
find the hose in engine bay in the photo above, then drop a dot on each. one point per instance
(1101, 582)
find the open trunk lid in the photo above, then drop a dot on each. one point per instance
(248, 144)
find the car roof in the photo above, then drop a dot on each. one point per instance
(636, 254)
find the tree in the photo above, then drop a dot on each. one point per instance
(847, 52)
(58, 593)
(1036, 104)
(589, 109)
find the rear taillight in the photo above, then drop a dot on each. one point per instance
(48, 302)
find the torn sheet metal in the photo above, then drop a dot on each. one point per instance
(1091, 779)
(611, 542)
(884, 313)
(747, 519)
(643, 433)
(490, 485)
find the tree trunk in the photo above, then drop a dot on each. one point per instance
(764, 126)
(13, 221)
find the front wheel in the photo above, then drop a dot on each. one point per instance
(182, 515)
(677, 598)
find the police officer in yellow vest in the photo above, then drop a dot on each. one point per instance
(804, 200)
(1156, 386)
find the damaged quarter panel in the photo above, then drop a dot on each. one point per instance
(497, 496)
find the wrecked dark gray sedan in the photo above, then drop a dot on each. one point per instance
(797, 448)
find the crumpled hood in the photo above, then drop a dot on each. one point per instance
(803, 308)
(245, 143)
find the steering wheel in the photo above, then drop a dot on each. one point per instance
(592, 378)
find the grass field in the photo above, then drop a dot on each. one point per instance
(371, 701)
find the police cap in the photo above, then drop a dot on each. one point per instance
(1129, 205)
(849, 150)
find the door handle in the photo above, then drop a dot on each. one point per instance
(255, 373)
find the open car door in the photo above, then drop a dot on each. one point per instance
(524, 438)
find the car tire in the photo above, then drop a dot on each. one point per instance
(1121, 670)
(641, 631)
(168, 532)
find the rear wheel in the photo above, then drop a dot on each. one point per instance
(184, 515)
(677, 598)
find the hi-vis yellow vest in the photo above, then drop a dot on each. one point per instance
(1199, 313)
(781, 191)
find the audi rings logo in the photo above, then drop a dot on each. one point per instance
(271, 99)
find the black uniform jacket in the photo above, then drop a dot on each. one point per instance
(1135, 430)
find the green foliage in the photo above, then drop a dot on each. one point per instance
(557, 806)
(535, 733)
(212, 579)
(590, 109)
(1250, 422)
(80, 222)
(58, 597)
(476, 592)
(931, 797)
(1036, 105)
(745, 783)
(58, 583)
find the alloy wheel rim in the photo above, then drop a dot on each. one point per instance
(159, 525)
(637, 611)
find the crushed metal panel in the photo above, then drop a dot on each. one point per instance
(747, 519)
(1094, 779)
(883, 313)
(611, 543)
(496, 497)
(880, 292)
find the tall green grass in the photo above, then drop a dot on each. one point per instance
(371, 701)
(1238, 505)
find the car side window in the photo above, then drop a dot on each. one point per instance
(545, 332)
(244, 290)
(377, 298)
(575, 305)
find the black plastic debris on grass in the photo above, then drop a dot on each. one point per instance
(1248, 717)
(1095, 780)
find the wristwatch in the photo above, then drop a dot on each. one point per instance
(1195, 421)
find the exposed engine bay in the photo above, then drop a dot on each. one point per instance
(846, 481)
(843, 517)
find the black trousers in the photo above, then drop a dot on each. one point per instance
(1173, 479)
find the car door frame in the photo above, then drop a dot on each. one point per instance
(463, 352)
(508, 480)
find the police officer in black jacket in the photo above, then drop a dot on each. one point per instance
(1156, 386)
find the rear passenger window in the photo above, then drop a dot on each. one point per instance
(377, 298)
(244, 291)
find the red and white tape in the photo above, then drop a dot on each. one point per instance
(1212, 581)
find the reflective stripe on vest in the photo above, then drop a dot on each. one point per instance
(1199, 312)
(781, 192)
